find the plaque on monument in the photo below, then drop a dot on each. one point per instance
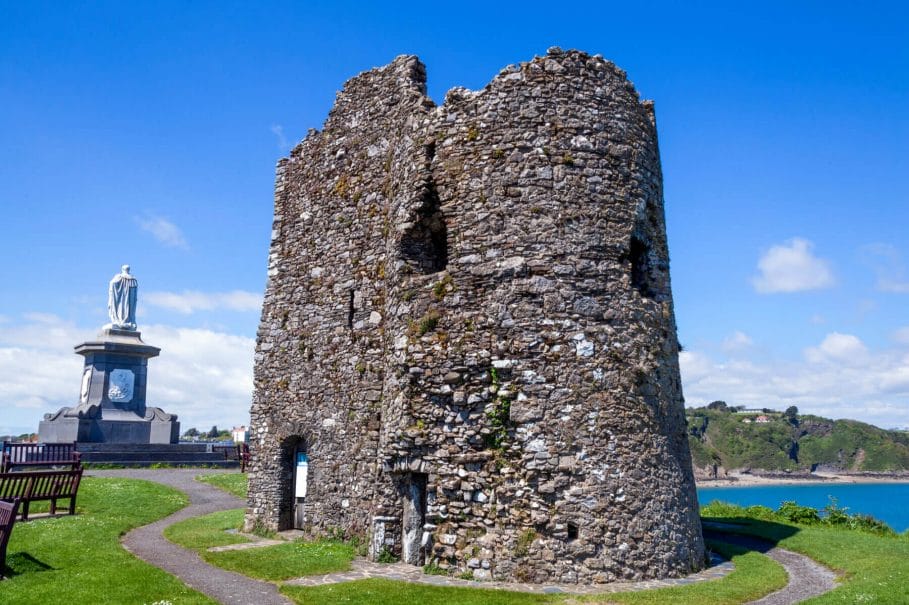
(111, 406)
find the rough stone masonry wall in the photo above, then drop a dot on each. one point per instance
(521, 366)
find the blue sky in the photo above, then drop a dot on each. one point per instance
(147, 133)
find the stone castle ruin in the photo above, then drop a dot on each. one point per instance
(468, 352)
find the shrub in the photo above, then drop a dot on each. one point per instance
(792, 511)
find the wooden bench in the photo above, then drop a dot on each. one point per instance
(243, 456)
(31, 486)
(39, 454)
(238, 452)
(8, 512)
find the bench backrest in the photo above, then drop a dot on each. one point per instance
(39, 485)
(8, 513)
(37, 454)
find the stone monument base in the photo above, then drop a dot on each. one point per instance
(112, 405)
(102, 430)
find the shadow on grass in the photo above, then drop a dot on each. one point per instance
(753, 534)
(22, 562)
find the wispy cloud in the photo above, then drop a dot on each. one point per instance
(792, 267)
(887, 263)
(278, 131)
(190, 301)
(163, 230)
(737, 341)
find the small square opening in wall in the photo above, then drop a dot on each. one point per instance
(572, 531)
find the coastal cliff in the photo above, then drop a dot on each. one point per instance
(726, 440)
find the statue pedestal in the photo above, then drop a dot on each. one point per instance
(112, 406)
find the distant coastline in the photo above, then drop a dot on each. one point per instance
(751, 480)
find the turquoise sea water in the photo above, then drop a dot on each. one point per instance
(888, 502)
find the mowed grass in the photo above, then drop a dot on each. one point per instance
(79, 559)
(234, 483)
(755, 576)
(200, 533)
(273, 563)
(875, 569)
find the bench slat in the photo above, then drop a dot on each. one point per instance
(41, 485)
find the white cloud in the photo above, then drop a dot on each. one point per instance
(887, 263)
(838, 348)
(839, 378)
(190, 301)
(792, 267)
(278, 131)
(203, 376)
(736, 342)
(695, 366)
(163, 230)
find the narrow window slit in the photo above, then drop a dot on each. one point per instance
(424, 247)
(641, 269)
(572, 531)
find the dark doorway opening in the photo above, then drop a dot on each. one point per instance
(294, 483)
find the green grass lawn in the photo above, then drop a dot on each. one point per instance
(875, 567)
(234, 483)
(78, 559)
(274, 563)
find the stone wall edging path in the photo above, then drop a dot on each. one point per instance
(807, 578)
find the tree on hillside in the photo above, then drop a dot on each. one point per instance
(792, 415)
(193, 432)
(213, 433)
(717, 405)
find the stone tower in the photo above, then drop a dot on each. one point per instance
(468, 352)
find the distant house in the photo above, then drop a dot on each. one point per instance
(762, 419)
(747, 420)
(749, 411)
(240, 434)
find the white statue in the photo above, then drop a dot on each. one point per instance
(121, 300)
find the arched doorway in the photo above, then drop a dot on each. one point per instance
(294, 483)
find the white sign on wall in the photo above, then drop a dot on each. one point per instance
(302, 474)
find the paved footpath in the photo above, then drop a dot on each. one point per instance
(806, 577)
(148, 543)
